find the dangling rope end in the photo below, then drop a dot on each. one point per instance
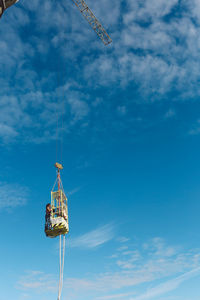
(62, 259)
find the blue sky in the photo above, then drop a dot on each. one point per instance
(130, 129)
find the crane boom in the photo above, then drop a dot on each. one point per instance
(92, 20)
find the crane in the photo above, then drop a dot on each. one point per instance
(85, 11)
(92, 20)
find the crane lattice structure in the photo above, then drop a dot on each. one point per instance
(92, 20)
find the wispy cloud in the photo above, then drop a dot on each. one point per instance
(12, 195)
(170, 114)
(158, 247)
(39, 111)
(94, 238)
(37, 280)
(168, 286)
(122, 239)
(74, 191)
(153, 50)
(196, 129)
(115, 296)
(147, 51)
(150, 265)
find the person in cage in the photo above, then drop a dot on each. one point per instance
(4, 4)
(62, 212)
(48, 217)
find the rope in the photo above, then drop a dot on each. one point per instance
(54, 185)
(61, 262)
(59, 112)
(59, 288)
(59, 156)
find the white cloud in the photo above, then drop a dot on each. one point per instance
(122, 239)
(94, 238)
(115, 296)
(170, 114)
(130, 263)
(154, 10)
(12, 195)
(37, 280)
(79, 109)
(33, 116)
(107, 13)
(7, 133)
(74, 191)
(196, 129)
(148, 52)
(122, 110)
(138, 267)
(158, 57)
(150, 266)
(159, 248)
(168, 286)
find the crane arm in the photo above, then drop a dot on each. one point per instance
(92, 20)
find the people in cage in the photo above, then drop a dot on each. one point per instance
(48, 221)
(48, 217)
(4, 4)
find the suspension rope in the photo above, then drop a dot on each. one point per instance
(54, 185)
(59, 156)
(59, 111)
(60, 244)
(61, 262)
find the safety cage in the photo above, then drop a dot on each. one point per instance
(57, 223)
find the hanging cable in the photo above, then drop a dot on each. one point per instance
(59, 157)
(61, 262)
(60, 269)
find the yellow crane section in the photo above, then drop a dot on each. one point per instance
(92, 20)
